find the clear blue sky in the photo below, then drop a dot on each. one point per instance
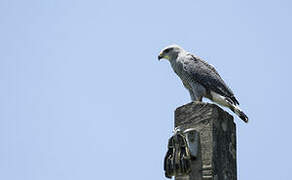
(83, 95)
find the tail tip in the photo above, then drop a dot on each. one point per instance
(243, 117)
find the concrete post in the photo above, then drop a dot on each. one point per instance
(216, 158)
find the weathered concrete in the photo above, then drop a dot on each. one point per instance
(217, 141)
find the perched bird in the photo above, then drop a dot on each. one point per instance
(200, 78)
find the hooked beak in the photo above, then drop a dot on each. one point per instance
(160, 56)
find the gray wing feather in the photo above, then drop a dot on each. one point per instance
(206, 75)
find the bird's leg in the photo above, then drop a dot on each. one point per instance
(200, 99)
(195, 97)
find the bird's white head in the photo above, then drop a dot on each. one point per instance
(170, 52)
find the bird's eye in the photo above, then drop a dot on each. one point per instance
(166, 50)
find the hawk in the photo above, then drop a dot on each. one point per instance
(201, 79)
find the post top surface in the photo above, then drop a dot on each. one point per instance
(199, 111)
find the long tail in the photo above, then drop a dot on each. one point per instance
(239, 113)
(231, 103)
